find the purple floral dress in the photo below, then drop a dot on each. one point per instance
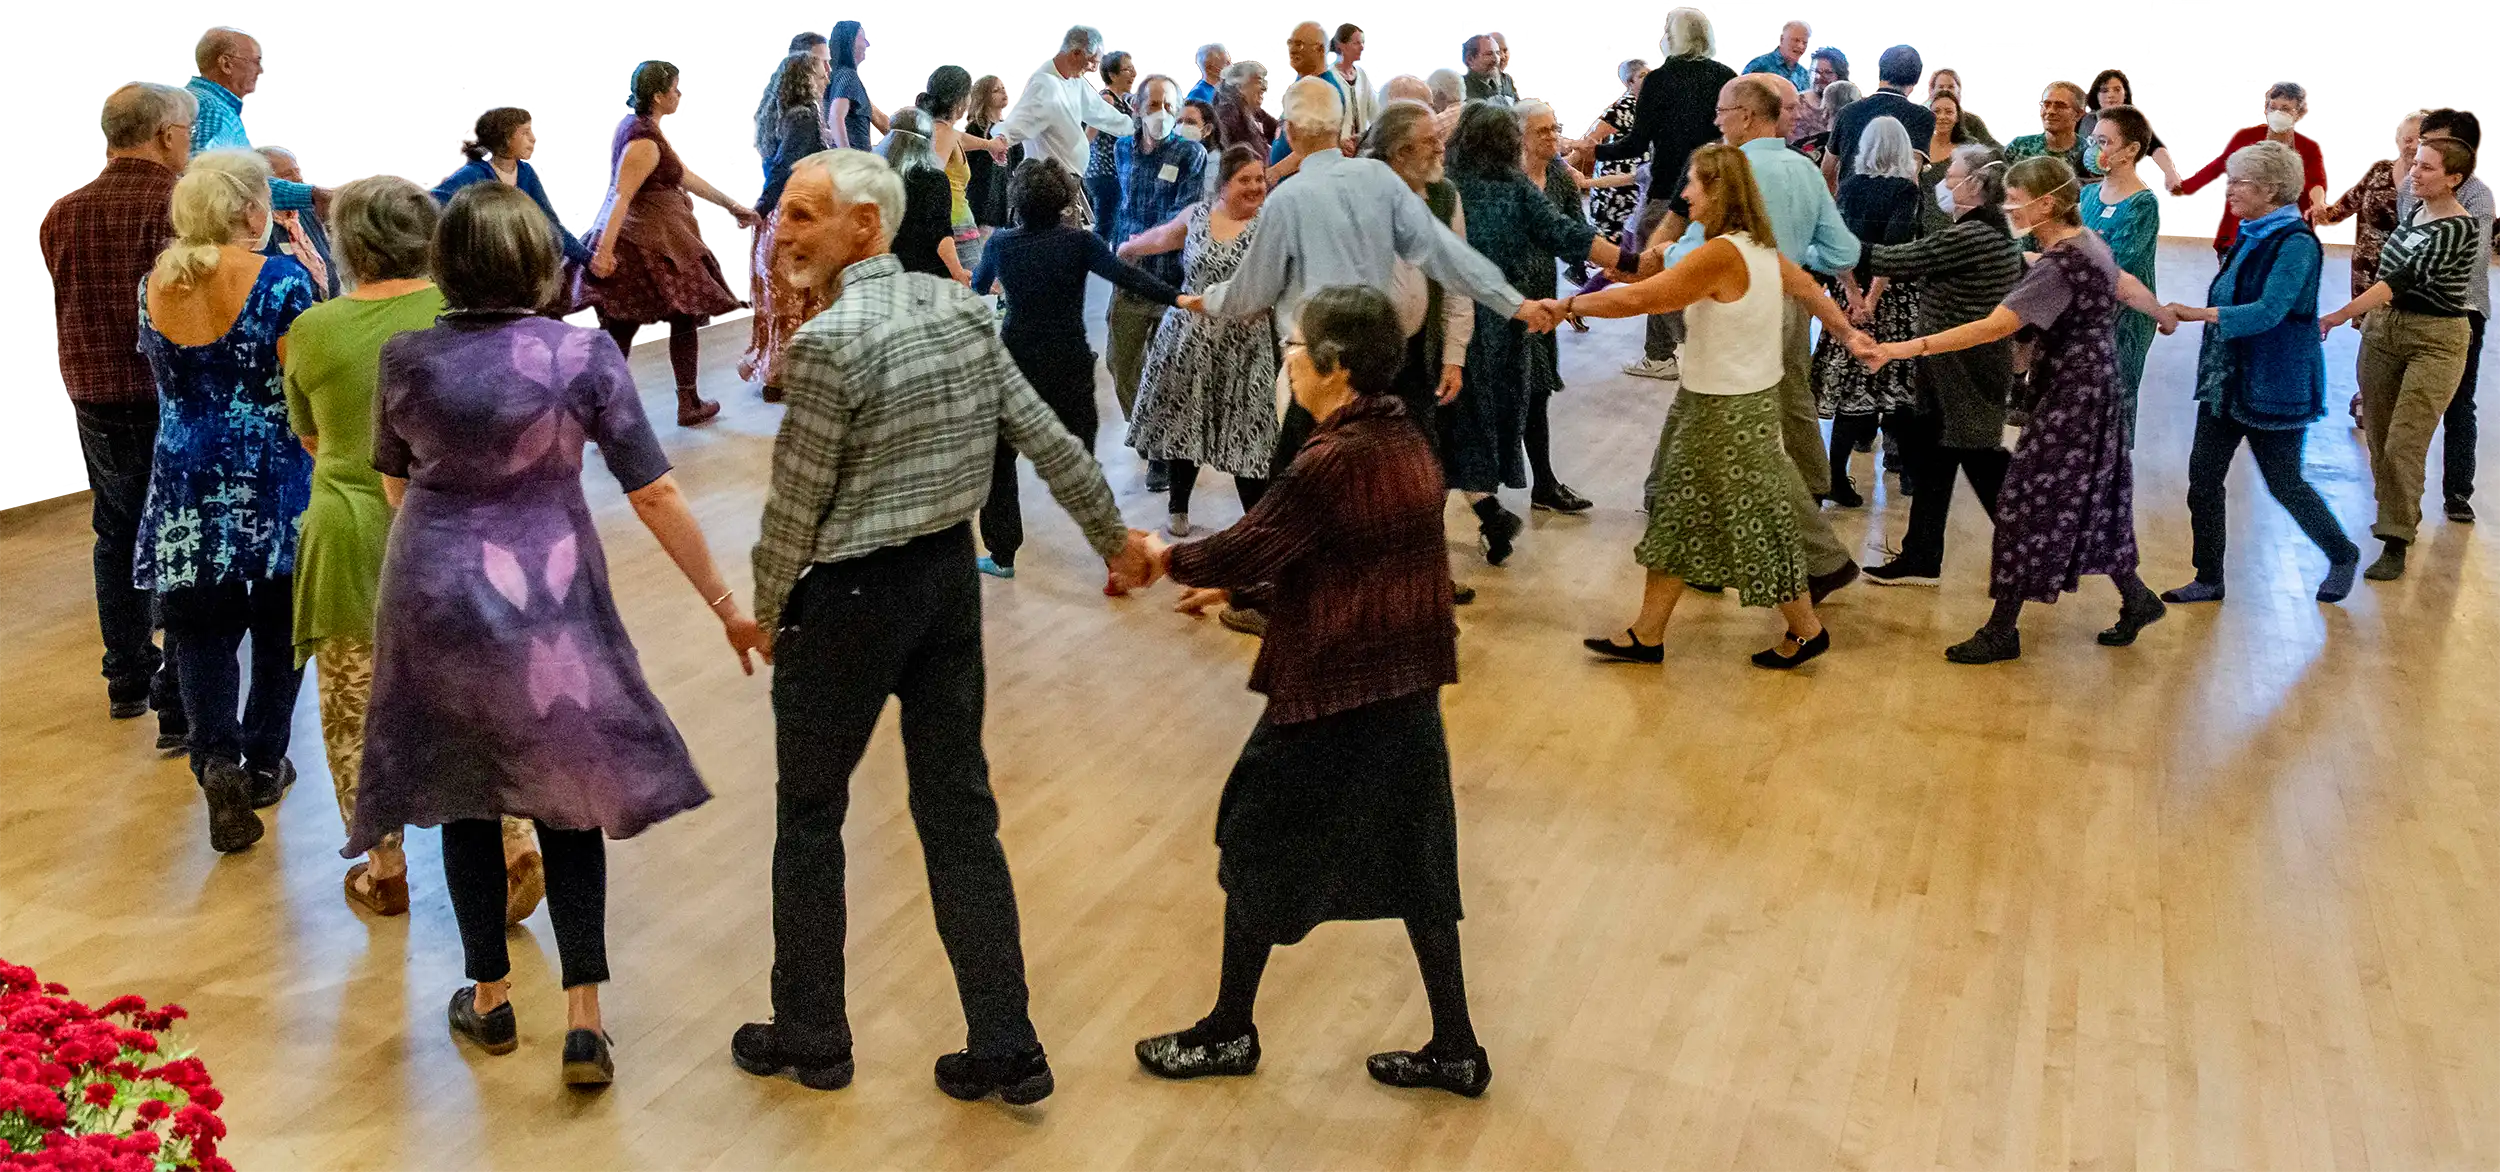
(2068, 506)
(503, 680)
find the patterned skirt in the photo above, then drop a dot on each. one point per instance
(1208, 394)
(1844, 386)
(780, 309)
(1719, 499)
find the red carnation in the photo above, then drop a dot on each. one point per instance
(100, 1093)
(151, 1110)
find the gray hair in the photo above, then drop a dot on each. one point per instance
(1884, 149)
(1396, 128)
(1084, 38)
(1446, 88)
(1986, 165)
(1243, 72)
(2291, 90)
(908, 150)
(1313, 107)
(1531, 107)
(859, 177)
(2273, 167)
(216, 43)
(1839, 94)
(212, 202)
(1210, 50)
(1688, 34)
(1624, 72)
(275, 153)
(382, 229)
(136, 112)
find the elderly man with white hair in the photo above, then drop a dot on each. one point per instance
(1788, 61)
(1050, 118)
(898, 395)
(229, 61)
(1212, 60)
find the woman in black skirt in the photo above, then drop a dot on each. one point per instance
(1340, 806)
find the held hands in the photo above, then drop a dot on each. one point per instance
(603, 264)
(2167, 320)
(1137, 565)
(1539, 316)
(1191, 302)
(1453, 380)
(1196, 601)
(2178, 188)
(745, 215)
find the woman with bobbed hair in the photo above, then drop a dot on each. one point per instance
(504, 683)
(217, 536)
(925, 241)
(2286, 104)
(648, 262)
(499, 151)
(1340, 807)
(2110, 88)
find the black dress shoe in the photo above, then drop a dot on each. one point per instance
(129, 709)
(1500, 534)
(1635, 652)
(1467, 1074)
(172, 743)
(1822, 586)
(1806, 649)
(587, 1062)
(1020, 1080)
(232, 825)
(269, 785)
(1461, 595)
(2131, 621)
(757, 1050)
(1987, 646)
(1900, 573)
(1194, 1053)
(1558, 498)
(493, 1031)
(1845, 495)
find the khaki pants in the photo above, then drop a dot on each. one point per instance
(1131, 324)
(1801, 436)
(2410, 366)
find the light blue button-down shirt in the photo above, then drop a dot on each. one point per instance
(219, 127)
(1348, 221)
(1803, 216)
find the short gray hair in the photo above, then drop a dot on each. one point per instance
(1884, 149)
(1446, 88)
(2273, 167)
(1688, 34)
(1313, 107)
(1400, 122)
(1531, 107)
(1240, 72)
(1210, 50)
(1987, 165)
(382, 229)
(2298, 94)
(860, 177)
(1084, 37)
(137, 111)
(1838, 95)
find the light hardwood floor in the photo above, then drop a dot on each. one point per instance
(2226, 899)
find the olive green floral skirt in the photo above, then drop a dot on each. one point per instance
(1720, 507)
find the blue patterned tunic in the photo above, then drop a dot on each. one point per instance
(230, 481)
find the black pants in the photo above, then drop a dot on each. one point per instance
(1185, 479)
(1931, 466)
(206, 625)
(2457, 479)
(119, 443)
(2278, 460)
(904, 621)
(1066, 383)
(685, 349)
(577, 897)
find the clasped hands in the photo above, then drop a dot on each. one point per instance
(1141, 562)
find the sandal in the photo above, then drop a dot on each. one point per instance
(525, 883)
(382, 897)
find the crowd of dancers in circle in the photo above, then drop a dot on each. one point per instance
(350, 424)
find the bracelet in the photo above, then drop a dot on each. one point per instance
(724, 597)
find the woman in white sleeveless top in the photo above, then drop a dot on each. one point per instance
(1722, 492)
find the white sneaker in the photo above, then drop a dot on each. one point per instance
(1659, 368)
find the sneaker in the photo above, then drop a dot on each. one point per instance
(1658, 368)
(587, 1060)
(1822, 586)
(1558, 498)
(1020, 1080)
(2460, 510)
(269, 785)
(1249, 622)
(172, 742)
(995, 570)
(493, 1031)
(1987, 647)
(1499, 535)
(2390, 564)
(1900, 573)
(757, 1050)
(232, 825)
(1192, 1053)
(1466, 1074)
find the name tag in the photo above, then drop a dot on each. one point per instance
(1170, 173)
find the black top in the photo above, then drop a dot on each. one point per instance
(1850, 124)
(1677, 112)
(986, 191)
(927, 221)
(802, 134)
(1043, 270)
(1881, 209)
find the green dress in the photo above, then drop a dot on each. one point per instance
(2132, 229)
(333, 360)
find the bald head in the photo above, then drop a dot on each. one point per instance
(1786, 92)
(1307, 48)
(1748, 109)
(1406, 87)
(229, 57)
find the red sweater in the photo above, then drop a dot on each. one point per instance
(2312, 167)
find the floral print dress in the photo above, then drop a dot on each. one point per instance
(2068, 506)
(2373, 200)
(1613, 209)
(230, 481)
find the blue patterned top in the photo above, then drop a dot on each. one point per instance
(231, 482)
(218, 126)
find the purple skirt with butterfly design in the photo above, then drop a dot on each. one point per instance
(503, 681)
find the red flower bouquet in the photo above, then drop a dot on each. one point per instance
(95, 1090)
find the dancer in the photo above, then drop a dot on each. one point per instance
(504, 683)
(1340, 807)
(898, 393)
(949, 95)
(2123, 211)
(2286, 104)
(849, 115)
(499, 151)
(2111, 89)
(2067, 508)
(1042, 262)
(2371, 205)
(1102, 164)
(648, 263)
(1725, 502)
(1881, 203)
(2261, 372)
(797, 131)
(925, 243)
(217, 537)
(1207, 397)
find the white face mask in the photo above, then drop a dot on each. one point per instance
(268, 229)
(2279, 121)
(1159, 125)
(1193, 132)
(1944, 196)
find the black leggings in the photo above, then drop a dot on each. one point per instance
(1185, 478)
(685, 346)
(1436, 955)
(1540, 441)
(577, 897)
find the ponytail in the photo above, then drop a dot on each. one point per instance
(211, 203)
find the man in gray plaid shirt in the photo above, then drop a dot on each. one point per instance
(898, 394)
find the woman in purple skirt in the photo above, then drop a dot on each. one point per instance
(504, 683)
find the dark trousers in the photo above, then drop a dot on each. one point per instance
(904, 621)
(2278, 460)
(1104, 191)
(207, 625)
(1068, 388)
(1665, 331)
(119, 443)
(577, 897)
(1931, 466)
(2457, 479)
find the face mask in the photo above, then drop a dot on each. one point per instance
(268, 229)
(1194, 132)
(1944, 197)
(1159, 125)
(2278, 121)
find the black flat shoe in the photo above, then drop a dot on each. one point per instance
(1461, 595)
(232, 825)
(128, 709)
(1987, 647)
(1558, 498)
(587, 1062)
(1635, 652)
(2460, 511)
(757, 1050)
(269, 785)
(2390, 564)
(493, 1031)
(1845, 495)
(1422, 1069)
(1822, 586)
(2131, 622)
(1806, 649)
(1500, 535)
(172, 743)
(1192, 1054)
(1019, 1080)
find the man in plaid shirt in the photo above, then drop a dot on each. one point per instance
(898, 394)
(99, 242)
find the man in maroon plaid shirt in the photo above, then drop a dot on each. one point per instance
(99, 242)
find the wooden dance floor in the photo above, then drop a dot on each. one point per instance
(2226, 899)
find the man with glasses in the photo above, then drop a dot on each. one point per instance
(2061, 110)
(1058, 104)
(229, 61)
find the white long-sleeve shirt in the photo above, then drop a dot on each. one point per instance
(1410, 293)
(1050, 118)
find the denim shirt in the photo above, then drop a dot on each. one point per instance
(2261, 362)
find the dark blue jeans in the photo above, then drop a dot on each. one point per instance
(207, 625)
(1103, 191)
(119, 442)
(2457, 471)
